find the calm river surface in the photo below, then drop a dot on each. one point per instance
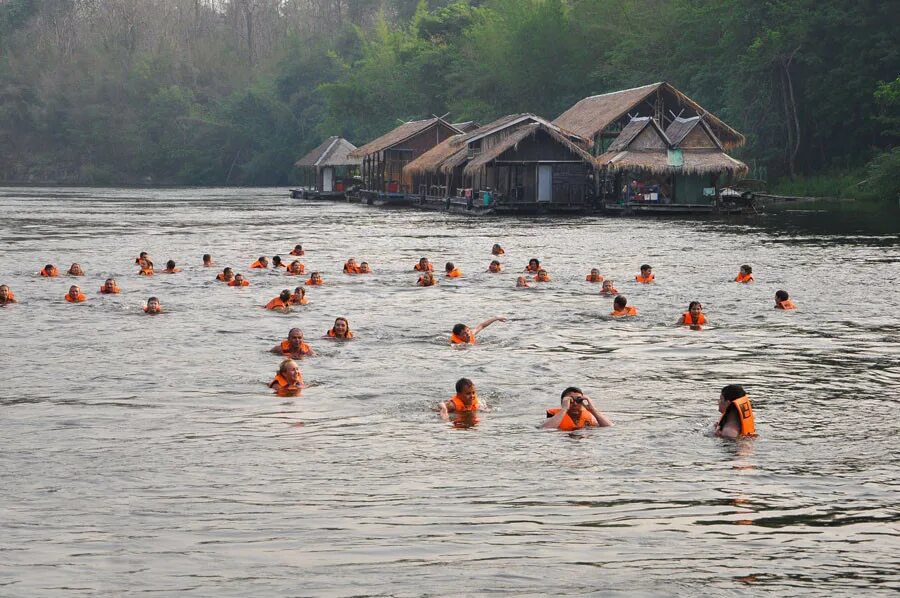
(146, 454)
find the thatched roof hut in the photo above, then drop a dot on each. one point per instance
(401, 134)
(692, 133)
(524, 132)
(659, 162)
(334, 151)
(592, 116)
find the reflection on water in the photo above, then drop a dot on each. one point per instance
(147, 454)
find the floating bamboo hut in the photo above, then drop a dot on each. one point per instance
(327, 170)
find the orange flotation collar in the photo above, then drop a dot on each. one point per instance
(454, 273)
(311, 282)
(234, 283)
(51, 273)
(458, 340)
(745, 416)
(428, 268)
(688, 320)
(146, 271)
(276, 303)
(629, 310)
(147, 309)
(786, 304)
(300, 270)
(567, 424)
(537, 278)
(741, 277)
(10, 298)
(351, 269)
(281, 383)
(645, 279)
(257, 265)
(77, 299)
(421, 282)
(286, 348)
(295, 252)
(590, 278)
(302, 301)
(114, 291)
(333, 335)
(462, 407)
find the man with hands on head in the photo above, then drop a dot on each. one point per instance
(577, 411)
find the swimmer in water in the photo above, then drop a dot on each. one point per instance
(340, 330)
(289, 380)
(424, 266)
(542, 276)
(260, 264)
(452, 271)
(577, 411)
(146, 267)
(6, 295)
(282, 302)
(75, 295)
(594, 276)
(351, 267)
(207, 260)
(745, 274)
(315, 279)
(143, 257)
(299, 297)
(646, 276)
(296, 268)
(463, 335)
(427, 280)
(171, 268)
(533, 266)
(497, 250)
(239, 281)
(293, 346)
(693, 317)
(621, 307)
(464, 401)
(783, 300)
(364, 268)
(226, 275)
(49, 271)
(737, 413)
(298, 250)
(609, 288)
(494, 267)
(522, 283)
(110, 287)
(277, 263)
(153, 306)
(75, 270)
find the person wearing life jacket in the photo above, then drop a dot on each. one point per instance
(277, 263)
(608, 288)
(522, 283)
(464, 405)
(350, 266)
(783, 300)
(533, 266)
(49, 271)
(494, 267)
(6, 295)
(340, 330)
(282, 302)
(577, 411)
(542, 276)
(75, 270)
(110, 287)
(646, 276)
(298, 297)
(424, 265)
(226, 275)
(497, 250)
(75, 295)
(296, 268)
(146, 267)
(463, 335)
(293, 345)
(239, 281)
(621, 307)
(364, 268)
(298, 250)
(170, 268)
(737, 413)
(693, 317)
(261, 263)
(153, 306)
(207, 260)
(594, 276)
(452, 271)
(143, 256)
(745, 274)
(315, 279)
(427, 280)
(289, 380)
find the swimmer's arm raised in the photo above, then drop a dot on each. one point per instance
(602, 420)
(553, 422)
(487, 323)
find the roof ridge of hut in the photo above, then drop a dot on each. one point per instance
(681, 127)
(517, 136)
(334, 151)
(399, 134)
(634, 128)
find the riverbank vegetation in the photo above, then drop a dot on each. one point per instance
(231, 92)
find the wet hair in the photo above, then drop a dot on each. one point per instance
(569, 390)
(496, 246)
(152, 299)
(732, 392)
(207, 257)
(423, 260)
(693, 303)
(228, 270)
(285, 294)
(301, 290)
(344, 320)
(645, 267)
(746, 268)
(449, 266)
(298, 247)
(49, 267)
(534, 260)
(364, 263)
(782, 295)
(495, 263)
(458, 329)
(170, 264)
(276, 259)
(291, 331)
(463, 383)
(263, 258)
(284, 365)
(142, 254)
(620, 301)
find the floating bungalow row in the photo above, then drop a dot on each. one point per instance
(650, 148)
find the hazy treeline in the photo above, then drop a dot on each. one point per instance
(214, 92)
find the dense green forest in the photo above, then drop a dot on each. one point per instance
(232, 92)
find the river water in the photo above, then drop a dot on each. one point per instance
(146, 454)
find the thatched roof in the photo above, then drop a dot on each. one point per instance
(433, 159)
(334, 151)
(400, 134)
(466, 126)
(518, 136)
(592, 115)
(657, 162)
(680, 128)
(634, 128)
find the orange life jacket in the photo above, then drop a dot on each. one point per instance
(78, 299)
(114, 291)
(310, 281)
(276, 303)
(457, 340)
(568, 424)
(221, 277)
(461, 407)
(302, 301)
(286, 348)
(645, 279)
(243, 283)
(281, 383)
(295, 252)
(629, 310)
(687, 319)
(146, 271)
(590, 278)
(257, 265)
(147, 310)
(612, 291)
(351, 269)
(741, 277)
(530, 268)
(421, 282)
(537, 278)
(301, 270)
(332, 334)
(786, 304)
(10, 298)
(51, 273)
(428, 268)
(745, 416)
(454, 273)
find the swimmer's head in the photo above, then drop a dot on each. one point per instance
(295, 337)
(646, 269)
(49, 268)
(143, 255)
(264, 261)
(542, 275)
(574, 393)
(729, 394)
(427, 279)
(781, 296)
(494, 267)
(239, 278)
(290, 371)
(295, 267)
(207, 259)
(595, 272)
(316, 277)
(170, 265)
(695, 308)
(276, 260)
(465, 390)
(298, 247)
(75, 270)
(4, 292)
(351, 261)
(228, 273)
(423, 261)
(620, 302)
(300, 291)
(496, 247)
(746, 269)
(110, 285)
(534, 263)
(521, 282)
(74, 291)
(153, 306)
(449, 267)
(341, 327)
(285, 295)
(607, 285)
(463, 332)
(364, 267)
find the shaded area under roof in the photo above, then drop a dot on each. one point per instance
(657, 162)
(334, 151)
